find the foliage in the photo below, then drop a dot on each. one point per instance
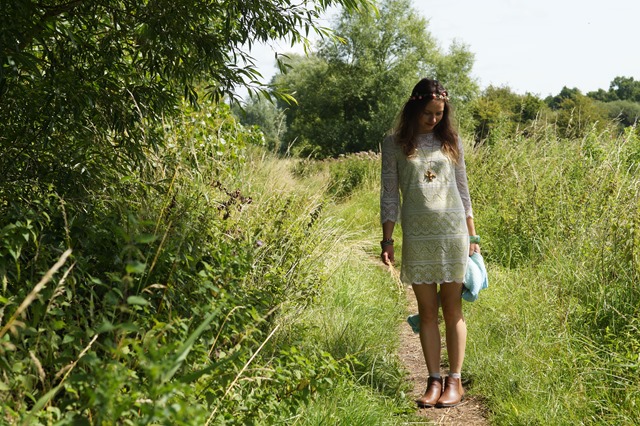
(620, 89)
(82, 82)
(555, 339)
(577, 116)
(349, 92)
(267, 117)
(498, 112)
(626, 112)
(167, 308)
(577, 113)
(566, 93)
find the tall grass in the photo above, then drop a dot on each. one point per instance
(221, 285)
(555, 340)
(356, 315)
(194, 295)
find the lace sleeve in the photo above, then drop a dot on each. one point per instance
(389, 190)
(461, 182)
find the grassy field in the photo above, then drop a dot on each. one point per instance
(555, 340)
(224, 285)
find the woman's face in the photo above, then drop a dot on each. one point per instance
(430, 116)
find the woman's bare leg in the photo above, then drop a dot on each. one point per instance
(427, 297)
(456, 328)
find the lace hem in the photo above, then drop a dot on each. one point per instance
(433, 274)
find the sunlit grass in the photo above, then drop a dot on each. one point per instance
(552, 340)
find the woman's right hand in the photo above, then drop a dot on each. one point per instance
(387, 255)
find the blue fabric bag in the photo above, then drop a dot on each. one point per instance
(475, 278)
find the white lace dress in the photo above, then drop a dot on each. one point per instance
(435, 205)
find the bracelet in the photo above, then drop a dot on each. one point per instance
(474, 239)
(385, 243)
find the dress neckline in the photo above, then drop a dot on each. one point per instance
(426, 139)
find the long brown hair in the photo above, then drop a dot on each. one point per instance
(407, 126)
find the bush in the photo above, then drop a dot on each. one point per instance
(350, 173)
(165, 309)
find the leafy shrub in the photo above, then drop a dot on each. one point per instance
(165, 309)
(350, 173)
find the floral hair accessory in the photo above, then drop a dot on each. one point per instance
(443, 96)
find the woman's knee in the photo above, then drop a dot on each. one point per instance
(452, 315)
(452, 305)
(428, 317)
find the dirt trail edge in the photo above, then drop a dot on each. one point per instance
(470, 411)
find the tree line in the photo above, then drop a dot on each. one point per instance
(348, 91)
(498, 111)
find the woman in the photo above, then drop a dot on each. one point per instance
(424, 160)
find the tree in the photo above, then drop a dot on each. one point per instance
(499, 111)
(577, 115)
(602, 95)
(349, 92)
(555, 102)
(625, 89)
(265, 115)
(620, 89)
(83, 82)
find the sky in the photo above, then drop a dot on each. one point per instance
(531, 46)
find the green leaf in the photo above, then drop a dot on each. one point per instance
(41, 403)
(186, 348)
(137, 300)
(136, 267)
(145, 238)
(193, 376)
(105, 327)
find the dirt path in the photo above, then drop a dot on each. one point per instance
(470, 412)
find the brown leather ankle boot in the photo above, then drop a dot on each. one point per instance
(431, 395)
(453, 393)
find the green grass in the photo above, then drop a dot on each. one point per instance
(554, 340)
(245, 288)
(352, 404)
(519, 350)
(356, 319)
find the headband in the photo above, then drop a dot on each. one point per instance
(444, 96)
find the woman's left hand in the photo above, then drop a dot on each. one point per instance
(474, 248)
